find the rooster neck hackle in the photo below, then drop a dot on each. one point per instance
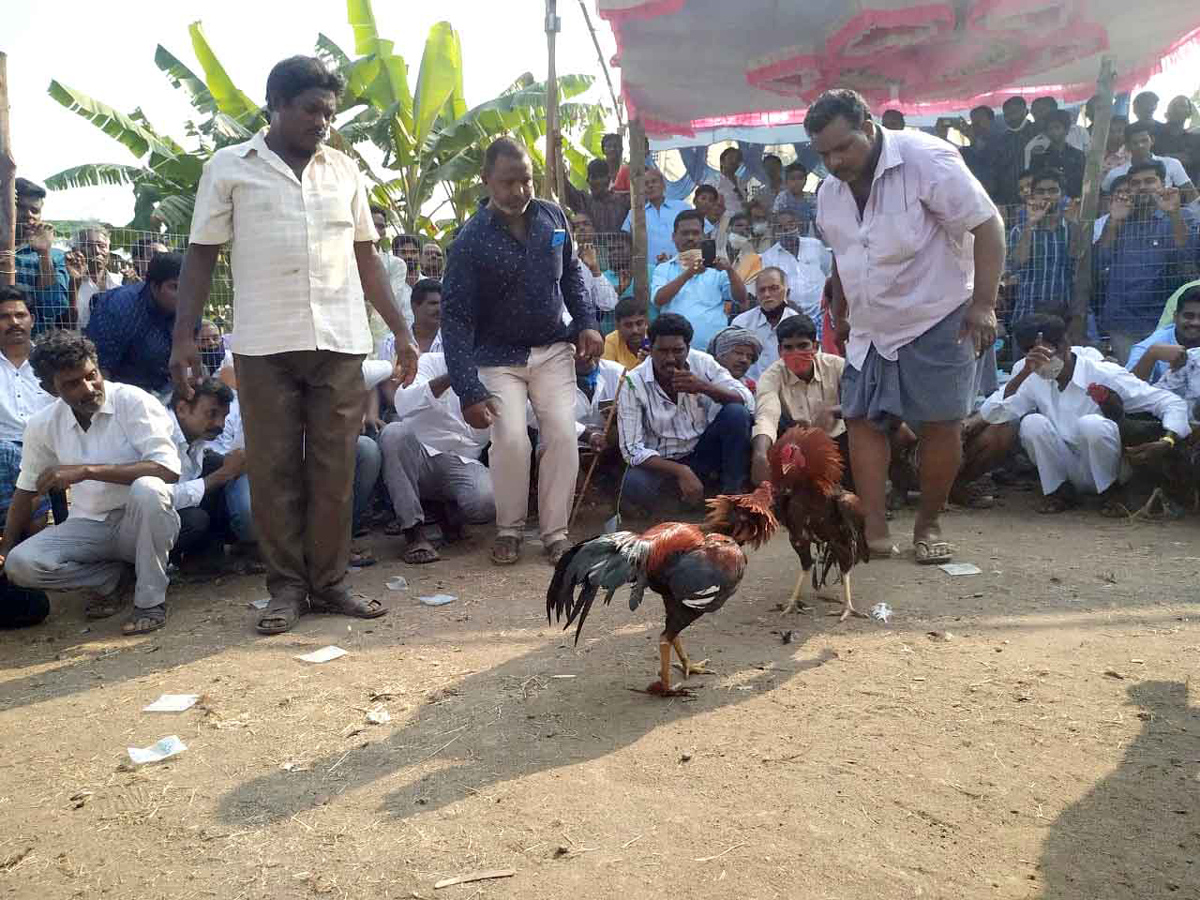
(805, 455)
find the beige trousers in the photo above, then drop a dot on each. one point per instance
(548, 382)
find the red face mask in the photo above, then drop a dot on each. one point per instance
(800, 362)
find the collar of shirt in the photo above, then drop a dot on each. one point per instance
(258, 144)
(191, 454)
(21, 395)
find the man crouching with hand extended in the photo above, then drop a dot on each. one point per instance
(111, 444)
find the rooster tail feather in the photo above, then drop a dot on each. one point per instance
(605, 562)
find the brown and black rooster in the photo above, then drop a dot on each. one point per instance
(695, 569)
(820, 515)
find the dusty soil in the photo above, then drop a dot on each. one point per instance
(1042, 744)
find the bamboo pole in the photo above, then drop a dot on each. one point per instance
(553, 185)
(8, 193)
(1090, 203)
(637, 200)
(603, 67)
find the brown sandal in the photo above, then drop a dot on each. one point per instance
(281, 615)
(506, 550)
(344, 603)
(145, 620)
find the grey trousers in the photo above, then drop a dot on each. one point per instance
(411, 473)
(86, 553)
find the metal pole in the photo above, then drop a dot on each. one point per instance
(1090, 202)
(8, 194)
(553, 139)
(637, 199)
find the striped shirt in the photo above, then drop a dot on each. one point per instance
(652, 424)
(1046, 280)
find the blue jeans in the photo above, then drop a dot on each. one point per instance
(722, 454)
(367, 462)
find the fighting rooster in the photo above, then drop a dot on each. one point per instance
(695, 569)
(806, 469)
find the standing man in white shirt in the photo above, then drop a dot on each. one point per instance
(302, 251)
(1075, 447)
(431, 454)
(111, 444)
(1139, 143)
(918, 248)
(21, 393)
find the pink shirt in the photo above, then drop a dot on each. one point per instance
(908, 262)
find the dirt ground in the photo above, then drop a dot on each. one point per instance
(1024, 733)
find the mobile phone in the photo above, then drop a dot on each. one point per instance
(708, 252)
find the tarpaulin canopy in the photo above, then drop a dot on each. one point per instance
(692, 65)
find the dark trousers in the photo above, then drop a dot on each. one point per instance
(302, 412)
(722, 454)
(199, 525)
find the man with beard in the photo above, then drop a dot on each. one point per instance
(805, 262)
(111, 444)
(660, 219)
(763, 320)
(1146, 247)
(1074, 446)
(1167, 348)
(738, 350)
(94, 243)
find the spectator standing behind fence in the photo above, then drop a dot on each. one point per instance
(1147, 249)
(94, 243)
(142, 252)
(613, 148)
(303, 255)
(1044, 110)
(41, 267)
(978, 151)
(1175, 140)
(773, 167)
(133, 325)
(660, 219)
(606, 208)
(919, 249)
(1057, 154)
(512, 271)
(433, 260)
(1139, 142)
(793, 199)
(1044, 249)
(1144, 106)
(408, 248)
(1008, 151)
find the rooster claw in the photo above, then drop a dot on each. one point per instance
(657, 690)
(695, 668)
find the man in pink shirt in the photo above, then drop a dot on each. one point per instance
(918, 249)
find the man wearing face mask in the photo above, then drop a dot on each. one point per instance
(212, 349)
(1074, 446)
(805, 262)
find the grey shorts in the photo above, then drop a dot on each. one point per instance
(932, 380)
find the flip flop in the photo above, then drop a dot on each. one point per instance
(145, 620)
(418, 556)
(883, 549)
(344, 603)
(506, 550)
(933, 552)
(281, 615)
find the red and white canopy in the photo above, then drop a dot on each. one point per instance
(690, 65)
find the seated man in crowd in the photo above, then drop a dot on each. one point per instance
(805, 262)
(737, 350)
(21, 394)
(1044, 250)
(41, 267)
(141, 252)
(433, 260)
(682, 418)
(203, 475)
(763, 320)
(793, 199)
(626, 346)
(408, 248)
(1074, 446)
(802, 386)
(132, 328)
(684, 285)
(111, 444)
(598, 289)
(1139, 143)
(1167, 347)
(596, 384)
(211, 346)
(1147, 249)
(426, 312)
(431, 459)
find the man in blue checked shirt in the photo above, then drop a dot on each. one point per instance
(511, 272)
(41, 268)
(1045, 249)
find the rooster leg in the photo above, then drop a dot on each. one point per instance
(662, 687)
(848, 609)
(690, 668)
(797, 604)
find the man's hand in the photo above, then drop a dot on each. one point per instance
(129, 274)
(979, 327)
(1073, 210)
(185, 357)
(662, 257)
(721, 264)
(76, 265)
(1144, 454)
(589, 344)
(234, 463)
(59, 478)
(691, 488)
(595, 439)
(1172, 354)
(1036, 210)
(1037, 357)
(760, 468)
(972, 427)
(824, 418)
(841, 330)
(481, 415)
(41, 238)
(624, 278)
(587, 256)
(1167, 200)
(1120, 208)
(684, 381)
(405, 369)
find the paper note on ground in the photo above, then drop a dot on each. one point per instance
(167, 747)
(325, 654)
(960, 568)
(172, 703)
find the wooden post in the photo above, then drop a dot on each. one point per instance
(8, 192)
(637, 204)
(1090, 202)
(603, 66)
(553, 186)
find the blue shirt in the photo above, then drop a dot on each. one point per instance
(132, 335)
(660, 228)
(501, 297)
(1144, 267)
(49, 303)
(1162, 336)
(701, 300)
(801, 208)
(1047, 278)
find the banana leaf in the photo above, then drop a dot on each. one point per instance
(186, 80)
(226, 95)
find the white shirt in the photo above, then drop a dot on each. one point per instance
(130, 426)
(295, 278)
(755, 321)
(21, 395)
(439, 420)
(88, 289)
(1177, 176)
(806, 273)
(598, 290)
(733, 193)
(397, 273)
(651, 424)
(908, 261)
(1077, 137)
(189, 489)
(587, 412)
(1065, 408)
(232, 438)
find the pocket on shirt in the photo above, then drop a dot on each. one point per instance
(556, 262)
(894, 237)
